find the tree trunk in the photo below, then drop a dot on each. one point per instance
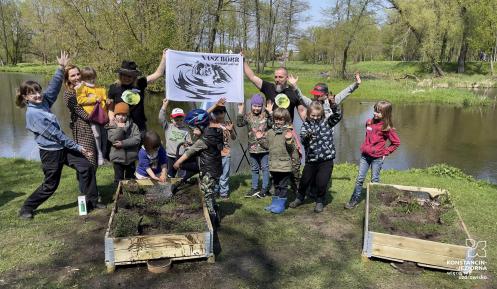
(4, 32)
(212, 33)
(258, 28)
(444, 46)
(461, 60)
(288, 29)
(344, 60)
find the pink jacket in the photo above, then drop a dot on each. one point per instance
(374, 144)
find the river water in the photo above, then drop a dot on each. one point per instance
(429, 133)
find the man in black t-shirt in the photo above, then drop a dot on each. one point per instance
(271, 90)
(130, 83)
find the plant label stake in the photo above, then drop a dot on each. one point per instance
(82, 205)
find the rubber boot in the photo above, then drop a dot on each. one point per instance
(273, 204)
(279, 206)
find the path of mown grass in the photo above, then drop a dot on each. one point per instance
(299, 249)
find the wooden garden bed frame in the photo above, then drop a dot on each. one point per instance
(423, 252)
(140, 249)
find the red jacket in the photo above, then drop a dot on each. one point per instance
(374, 144)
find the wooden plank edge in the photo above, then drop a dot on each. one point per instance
(114, 209)
(420, 241)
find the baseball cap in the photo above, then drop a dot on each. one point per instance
(320, 89)
(177, 112)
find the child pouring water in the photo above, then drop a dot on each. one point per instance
(258, 121)
(374, 149)
(282, 148)
(125, 138)
(152, 159)
(317, 138)
(88, 95)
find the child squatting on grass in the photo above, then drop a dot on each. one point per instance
(152, 159)
(258, 122)
(56, 149)
(282, 148)
(125, 138)
(317, 139)
(208, 149)
(88, 95)
(374, 148)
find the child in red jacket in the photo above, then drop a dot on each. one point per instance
(374, 148)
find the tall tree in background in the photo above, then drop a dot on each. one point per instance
(349, 17)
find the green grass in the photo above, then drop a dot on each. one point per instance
(380, 82)
(29, 68)
(298, 249)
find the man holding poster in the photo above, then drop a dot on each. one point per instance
(204, 77)
(279, 92)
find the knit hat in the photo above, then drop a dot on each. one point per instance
(257, 100)
(121, 108)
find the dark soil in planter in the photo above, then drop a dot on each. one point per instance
(152, 210)
(414, 214)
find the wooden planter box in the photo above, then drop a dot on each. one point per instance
(423, 252)
(140, 249)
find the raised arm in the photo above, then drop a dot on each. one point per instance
(162, 113)
(240, 117)
(251, 75)
(160, 69)
(336, 116)
(342, 95)
(220, 102)
(55, 83)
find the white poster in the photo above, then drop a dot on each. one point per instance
(201, 77)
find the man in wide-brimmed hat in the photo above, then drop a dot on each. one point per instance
(130, 88)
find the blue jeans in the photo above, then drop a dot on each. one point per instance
(260, 162)
(223, 187)
(365, 163)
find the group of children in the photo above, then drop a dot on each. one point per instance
(199, 142)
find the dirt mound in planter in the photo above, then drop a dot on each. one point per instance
(151, 210)
(414, 214)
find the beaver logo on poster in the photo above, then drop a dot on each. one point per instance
(194, 76)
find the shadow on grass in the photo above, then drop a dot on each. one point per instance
(57, 208)
(7, 196)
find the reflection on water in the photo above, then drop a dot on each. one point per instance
(461, 137)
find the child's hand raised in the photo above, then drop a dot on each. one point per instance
(358, 78)
(331, 99)
(288, 134)
(269, 106)
(221, 101)
(259, 134)
(241, 107)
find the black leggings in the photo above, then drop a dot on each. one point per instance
(280, 183)
(316, 176)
